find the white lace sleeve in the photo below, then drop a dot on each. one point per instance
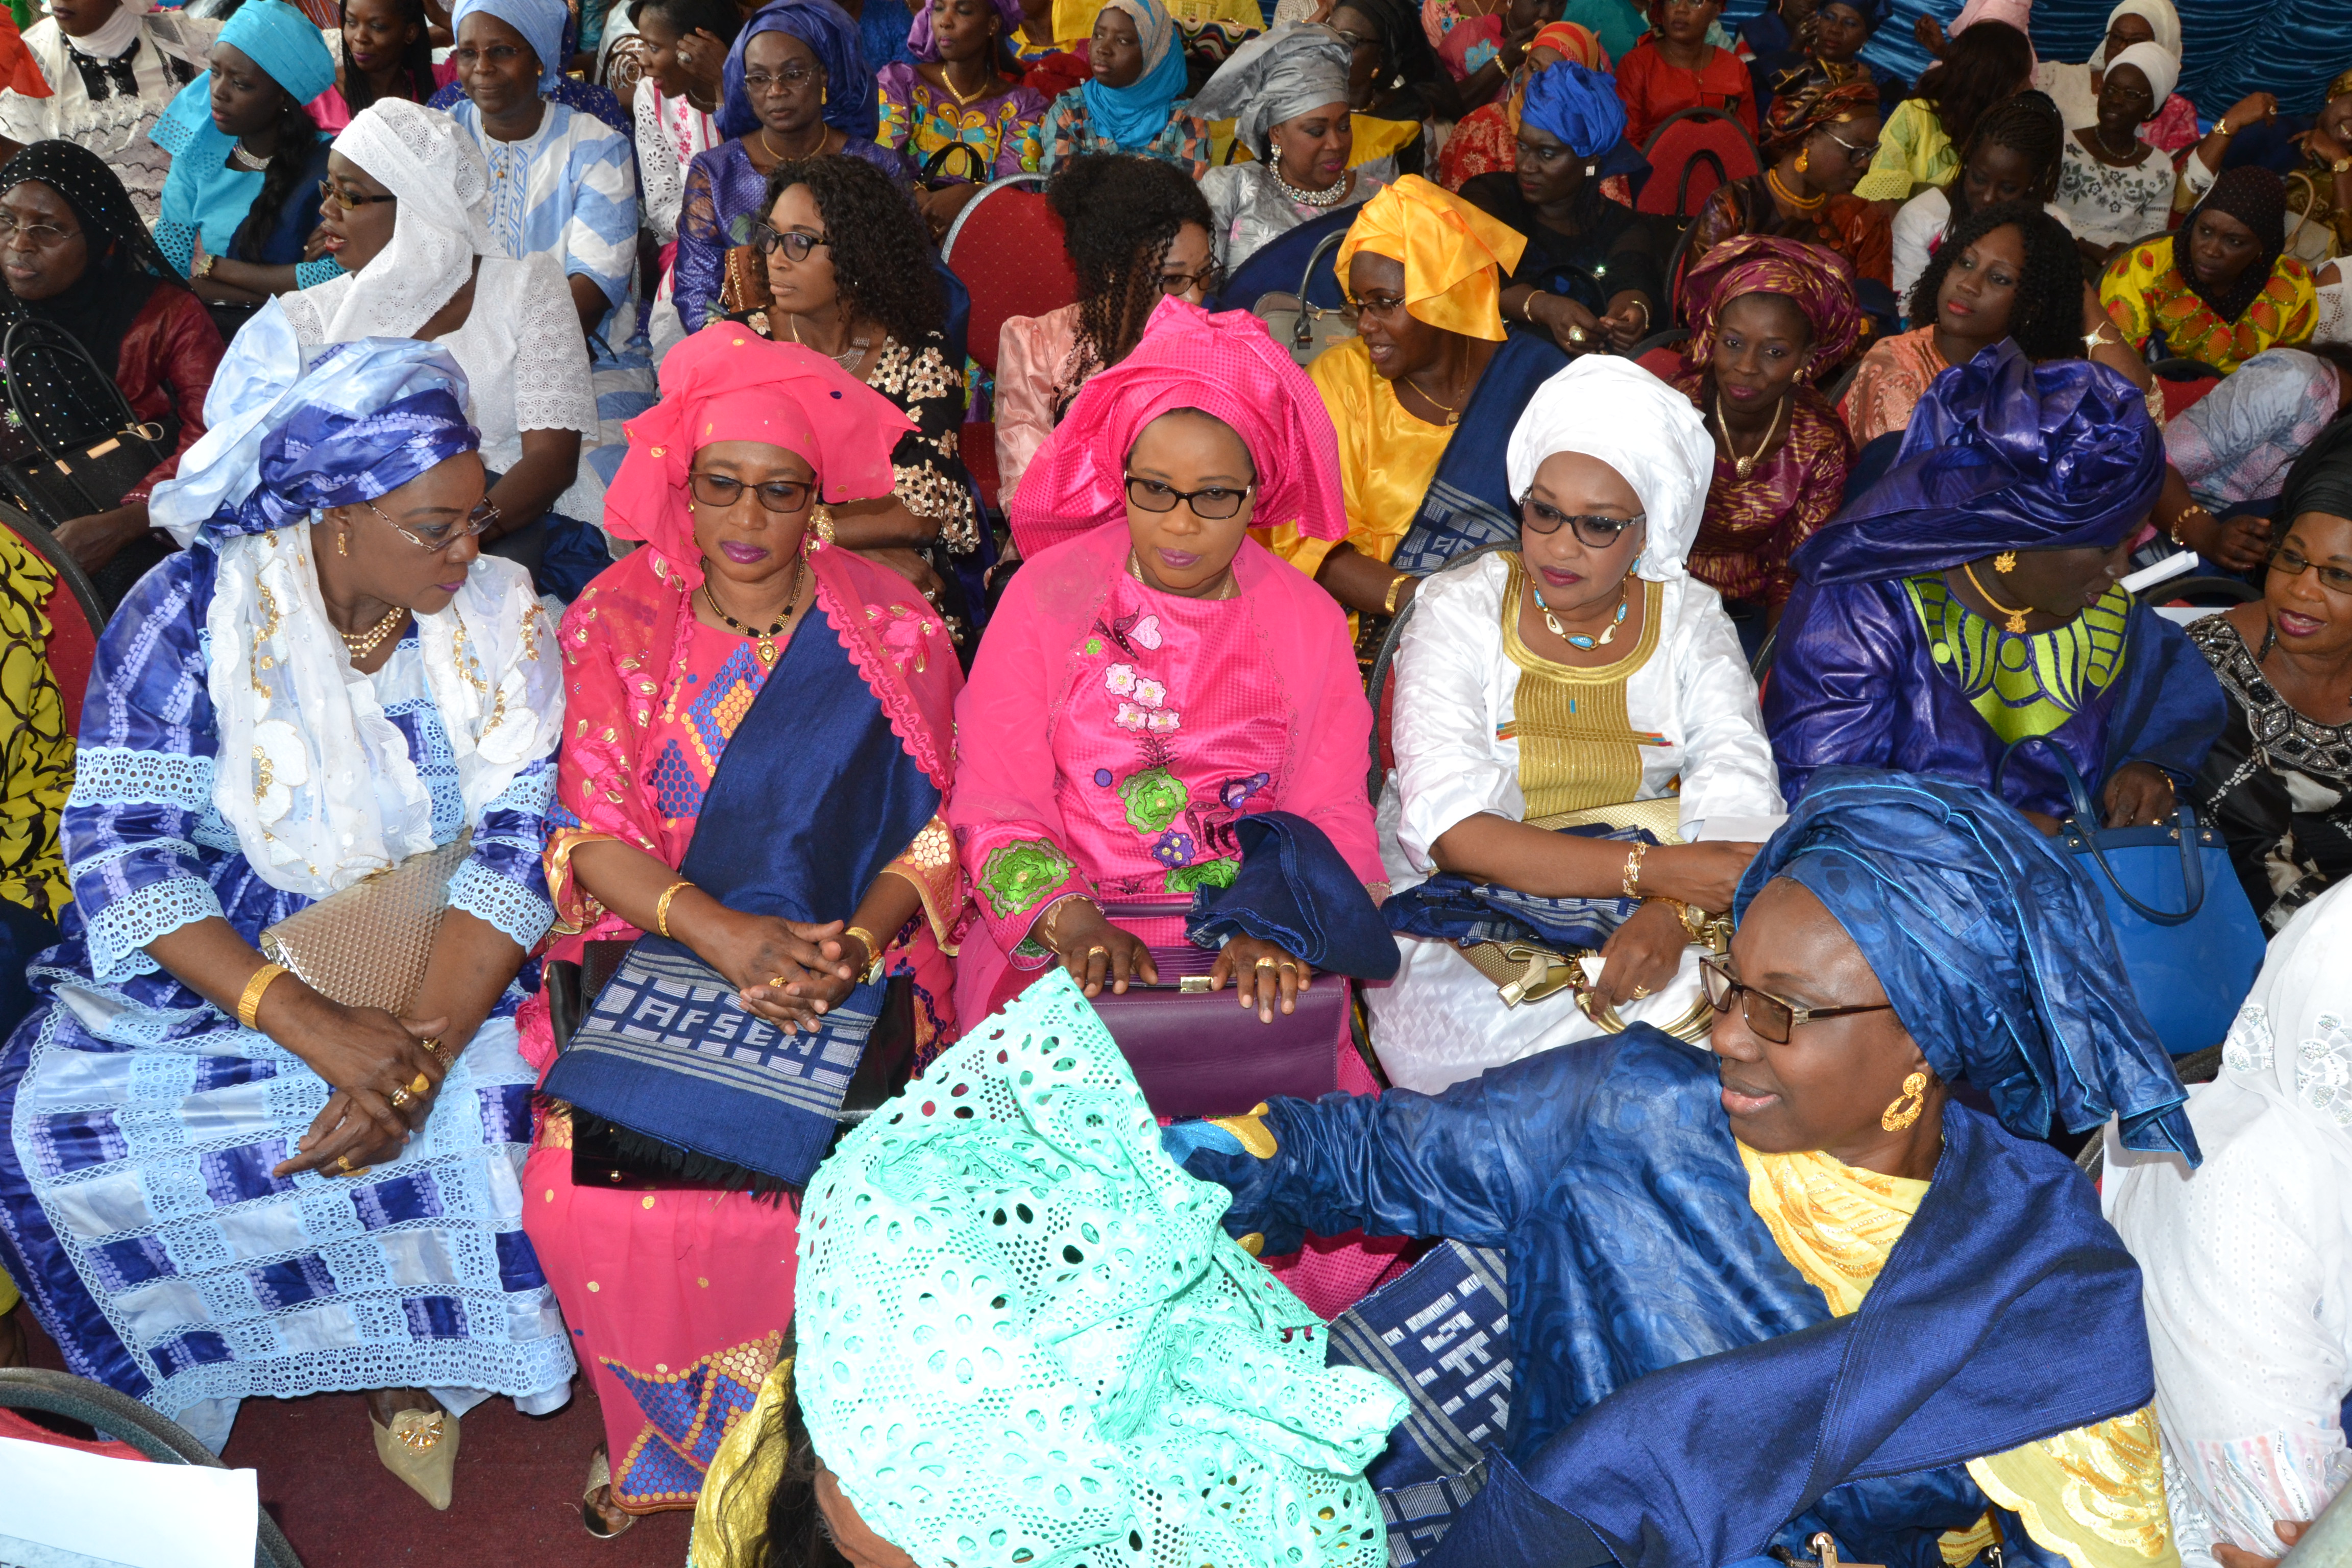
(309, 309)
(552, 389)
(663, 177)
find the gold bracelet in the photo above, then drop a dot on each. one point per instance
(250, 1004)
(1633, 883)
(2173, 531)
(873, 948)
(1396, 586)
(661, 906)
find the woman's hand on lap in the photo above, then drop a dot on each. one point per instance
(1265, 975)
(1096, 952)
(2230, 1556)
(1641, 955)
(2140, 794)
(1706, 875)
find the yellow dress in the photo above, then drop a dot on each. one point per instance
(1914, 153)
(1386, 457)
(2094, 1494)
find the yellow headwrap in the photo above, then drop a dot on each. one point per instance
(1454, 255)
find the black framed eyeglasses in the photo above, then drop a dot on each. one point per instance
(1214, 504)
(1769, 1016)
(791, 241)
(1206, 281)
(2335, 579)
(1859, 155)
(442, 535)
(329, 191)
(1593, 532)
(723, 491)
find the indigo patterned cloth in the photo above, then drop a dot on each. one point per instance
(1673, 1373)
(1469, 501)
(136, 1208)
(1297, 890)
(1450, 907)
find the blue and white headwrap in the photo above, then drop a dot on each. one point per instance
(541, 23)
(282, 441)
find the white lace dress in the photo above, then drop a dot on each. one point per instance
(525, 360)
(87, 104)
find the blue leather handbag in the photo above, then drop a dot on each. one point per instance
(2189, 940)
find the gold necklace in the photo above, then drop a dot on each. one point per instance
(2015, 623)
(847, 359)
(1452, 414)
(1802, 204)
(947, 80)
(359, 645)
(764, 642)
(1746, 464)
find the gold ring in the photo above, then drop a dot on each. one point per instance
(343, 1163)
(1577, 334)
(1265, 963)
(1286, 963)
(1639, 992)
(400, 1097)
(432, 1047)
(775, 982)
(1098, 948)
(420, 1084)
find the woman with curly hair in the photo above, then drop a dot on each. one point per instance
(1136, 231)
(1989, 62)
(849, 275)
(1821, 139)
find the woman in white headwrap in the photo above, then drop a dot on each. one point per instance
(1287, 93)
(2247, 1265)
(2076, 88)
(1583, 670)
(406, 222)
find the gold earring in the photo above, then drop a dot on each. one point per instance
(821, 525)
(2005, 563)
(1898, 1115)
(343, 542)
(1804, 159)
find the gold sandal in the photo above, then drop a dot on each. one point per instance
(592, 1518)
(420, 1446)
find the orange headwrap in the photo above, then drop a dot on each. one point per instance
(1454, 255)
(1572, 42)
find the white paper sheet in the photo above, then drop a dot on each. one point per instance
(122, 1511)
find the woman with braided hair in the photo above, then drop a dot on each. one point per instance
(1136, 231)
(1991, 61)
(1821, 139)
(2013, 156)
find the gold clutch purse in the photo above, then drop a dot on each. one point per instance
(1529, 971)
(367, 945)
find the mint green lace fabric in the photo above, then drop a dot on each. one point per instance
(1026, 1341)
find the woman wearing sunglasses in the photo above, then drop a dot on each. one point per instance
(402, 212)
(2278, 783)
(1806, 1283)
(1583, 670)
(330, 682)
(1820, 140)
(849, 274)
(755, 797)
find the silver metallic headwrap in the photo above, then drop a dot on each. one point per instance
(1276, 77)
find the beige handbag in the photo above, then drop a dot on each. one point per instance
(1529, 971)
(368, 946)
(1296, 322)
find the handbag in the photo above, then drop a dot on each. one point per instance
(1300, 324)
(367, 945)
(2190, 943)
(88, 448)
(1195, 1052)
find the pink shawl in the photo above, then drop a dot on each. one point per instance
(1225, 365)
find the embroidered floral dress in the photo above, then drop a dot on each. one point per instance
(2146, 297)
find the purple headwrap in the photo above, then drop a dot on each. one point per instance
(831, 33)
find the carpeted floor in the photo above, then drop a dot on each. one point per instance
(517, 1494)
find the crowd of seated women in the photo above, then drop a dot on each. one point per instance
(1750, 622)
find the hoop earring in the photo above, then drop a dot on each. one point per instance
(2005, 563)
(1899, 1115)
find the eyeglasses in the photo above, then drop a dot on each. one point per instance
(1770, 1017)
(723, 491)
(1206, 281)
(791, 241)
(2335, 579)
(1859, 155)
(1378, 304)
(1594, 531)
(330, 192)
(39, 236)
(1214, 504)
(466, 55)
(442, 535)
(793, 76)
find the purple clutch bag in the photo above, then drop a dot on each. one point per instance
(1197, 1052)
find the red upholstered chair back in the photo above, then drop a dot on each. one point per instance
(76, 614)
(1691, 153)
(1006, 247)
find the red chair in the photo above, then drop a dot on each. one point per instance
(75, 616)
(1007, 249)
(2185, 380)
(1690, 154)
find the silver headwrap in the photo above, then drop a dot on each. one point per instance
(1276, 77)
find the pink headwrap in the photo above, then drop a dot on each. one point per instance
(1818, 281)
(1225, 365)
(726, 383)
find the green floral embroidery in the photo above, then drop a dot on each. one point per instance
(1017, 875)
(1207, 874)
(1153, 799)
(1094, 644)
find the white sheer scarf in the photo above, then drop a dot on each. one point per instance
(443, 185)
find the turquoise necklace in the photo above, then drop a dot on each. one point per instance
(1580, 643)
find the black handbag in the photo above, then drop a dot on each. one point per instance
(82, 447)
(608, 1155)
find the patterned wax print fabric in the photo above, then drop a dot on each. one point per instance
(2277, 784)
(1914, 153)
(2237, 442)
(2148, 299)
(569, 189)
(1888, 383)
(1068, 132)
(1655, 90)
(108, 89)
(723, 193)
(1754, 524)
(170, 1264)
(37, 762)
(678, 1350)
(1847, 224)
(987, 138)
